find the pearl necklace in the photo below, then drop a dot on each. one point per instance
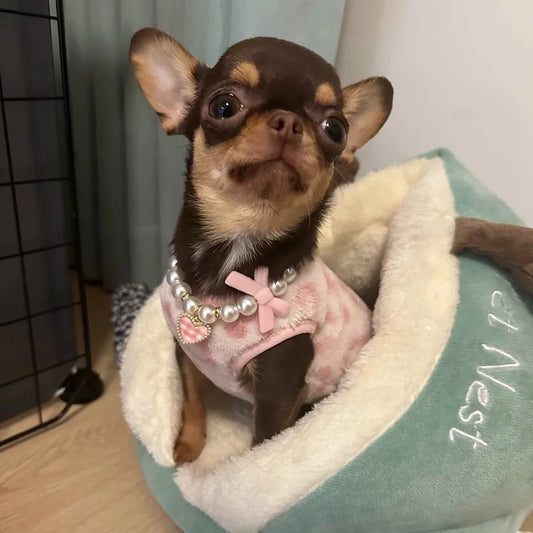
(200, 316)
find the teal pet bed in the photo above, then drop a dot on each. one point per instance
(429, 431)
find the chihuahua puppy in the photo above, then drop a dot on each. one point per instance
(251, 306)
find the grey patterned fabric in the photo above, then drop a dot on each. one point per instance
(126, 302)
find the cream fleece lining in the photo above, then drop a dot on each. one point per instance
(243, 489)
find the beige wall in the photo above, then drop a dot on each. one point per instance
(463, 76)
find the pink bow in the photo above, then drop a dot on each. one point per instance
(258, 287)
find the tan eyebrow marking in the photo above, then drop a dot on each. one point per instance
(325, 95)
(246, 73)
(347, 156)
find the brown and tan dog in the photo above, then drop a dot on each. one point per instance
(272, 132)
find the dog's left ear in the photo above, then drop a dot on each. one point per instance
(366, 105)
(167, 74)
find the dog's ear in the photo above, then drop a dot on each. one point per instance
(167, 74)
(366, 105)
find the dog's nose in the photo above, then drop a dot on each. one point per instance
(286, 126)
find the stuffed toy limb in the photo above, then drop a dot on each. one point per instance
(509, 246)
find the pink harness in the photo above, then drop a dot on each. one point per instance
(317, 302)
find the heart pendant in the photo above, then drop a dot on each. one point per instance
(190, 330)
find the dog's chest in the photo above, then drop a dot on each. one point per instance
(319, 305)
(238, 251)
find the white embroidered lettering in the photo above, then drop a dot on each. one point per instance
(493, 320)
(476, 439)
(498, 303)
(482, 393)
(481, 370)
(478, 392)
(467, 418)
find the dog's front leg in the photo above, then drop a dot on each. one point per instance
(278, 381)
(191, 440)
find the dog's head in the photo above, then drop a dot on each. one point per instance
(268, 123)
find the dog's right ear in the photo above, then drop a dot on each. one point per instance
(167, 74)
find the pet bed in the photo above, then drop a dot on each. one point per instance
(430, 430)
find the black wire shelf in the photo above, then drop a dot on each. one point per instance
(32, 98)
(38, 250)
(49, 310)
(29, 14)
(35, 180)
(79, 386)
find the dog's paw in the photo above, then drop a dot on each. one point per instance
(188, 448)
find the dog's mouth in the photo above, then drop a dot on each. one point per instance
(267, 178)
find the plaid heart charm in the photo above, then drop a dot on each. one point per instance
(190, 330)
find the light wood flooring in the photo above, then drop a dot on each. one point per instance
(82, 476)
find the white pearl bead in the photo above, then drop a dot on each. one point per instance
(278, 287)
(180, 290)
(229, 313)
(173, 277)
(289, 275)
(172, 263)
(207, 314)
(190, 304)
(247, 305)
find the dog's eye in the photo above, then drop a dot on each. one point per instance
(224, 106)
(334, 129)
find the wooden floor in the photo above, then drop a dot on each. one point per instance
(82, 476)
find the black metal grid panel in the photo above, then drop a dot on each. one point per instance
(73, 244)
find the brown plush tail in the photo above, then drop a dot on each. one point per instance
(510, 247)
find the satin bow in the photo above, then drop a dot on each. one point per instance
(258, 287)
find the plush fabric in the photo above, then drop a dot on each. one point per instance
(318, 304)
(430, 428)
(353, 238)
(126, 303)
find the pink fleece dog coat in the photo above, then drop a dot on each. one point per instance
(317, 302)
